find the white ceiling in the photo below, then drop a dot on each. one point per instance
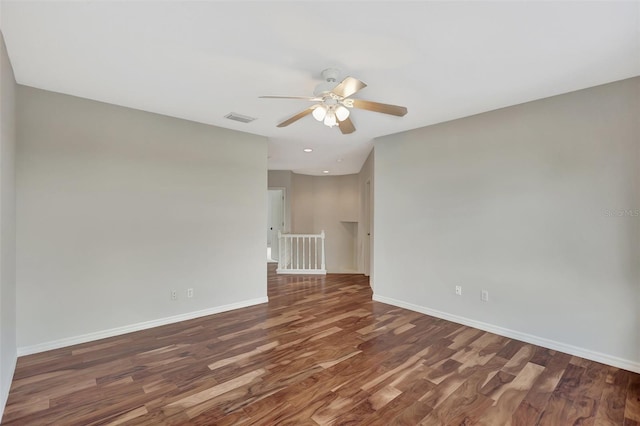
(202, 60)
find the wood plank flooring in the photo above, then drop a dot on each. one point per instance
(320, 352)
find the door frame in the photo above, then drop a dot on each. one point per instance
(367, 227)
(284, 208)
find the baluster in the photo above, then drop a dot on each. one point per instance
(286, 260)
(322, 259)
(279, 249)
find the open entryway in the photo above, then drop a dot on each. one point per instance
(275, 221)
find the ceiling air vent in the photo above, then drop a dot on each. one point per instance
(239, 117)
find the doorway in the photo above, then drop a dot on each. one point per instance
(275, 221)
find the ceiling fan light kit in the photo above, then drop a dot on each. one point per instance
(330, 115)
(330, 120)
(319, 113)
(334, 102)
(342, 113)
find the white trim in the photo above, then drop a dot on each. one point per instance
(290, 260)
(285, 216)
(513, 334)
(69, 341)
(302, 271)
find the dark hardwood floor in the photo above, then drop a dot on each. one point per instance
(320, 352)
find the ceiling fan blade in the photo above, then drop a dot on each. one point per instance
(348, 87)
(298, 116)
(346, 126)
(378, 107)
(305, 98)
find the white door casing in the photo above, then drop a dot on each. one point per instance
(275, 218)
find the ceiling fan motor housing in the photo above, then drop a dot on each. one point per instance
(330, 77)
(330, 74)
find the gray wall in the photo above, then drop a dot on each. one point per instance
(302, 204)
(117, 206)
(537, 203)
(7, 226)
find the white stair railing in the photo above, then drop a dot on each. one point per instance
(301, 254)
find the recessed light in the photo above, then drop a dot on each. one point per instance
(339, 160)
(326, 172)
(308, 150)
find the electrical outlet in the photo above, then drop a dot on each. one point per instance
(485, 295)
(189, 292)
(459, 290)
(174, 294)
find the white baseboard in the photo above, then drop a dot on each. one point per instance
(302, 271)
(513, 334)
(70, 341)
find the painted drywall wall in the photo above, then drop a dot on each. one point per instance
(537, 203)
(8, 352)
(329, 203)
(116, 207)
(302, 204)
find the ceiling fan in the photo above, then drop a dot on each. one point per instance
(333, 102)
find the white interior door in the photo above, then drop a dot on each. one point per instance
(275, 219)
